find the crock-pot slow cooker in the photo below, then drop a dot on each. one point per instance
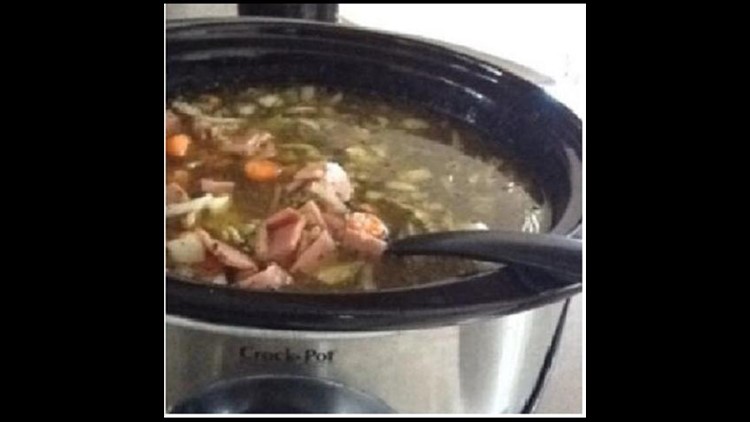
(481, 344)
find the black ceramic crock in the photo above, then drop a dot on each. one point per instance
(514, 115)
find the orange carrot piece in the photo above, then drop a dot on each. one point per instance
(262, 170)
(177, 145)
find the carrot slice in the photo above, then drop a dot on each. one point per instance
(262, 170)
(177, 145)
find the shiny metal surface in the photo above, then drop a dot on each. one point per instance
(487, 366)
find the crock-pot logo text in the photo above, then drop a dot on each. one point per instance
(309, 356)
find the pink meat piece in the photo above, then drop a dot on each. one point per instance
(362, 242)
(282, 217)
(176, 194)
(210, 268)
(336, 224)
(294, 185)
(312, 214)
(314, 255)
(216, 187)
(284, 230)
(271, 278)
(226, 254)
(261, 243)
(367, 222)
(307, 238)
(283, 241)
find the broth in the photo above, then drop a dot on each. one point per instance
(374, 171)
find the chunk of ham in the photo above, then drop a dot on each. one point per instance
(336, 224)
(261, 243)
(294, 185)
(176, 194)
(307, 238)
(210, 268)
(283, 233)
(226, 254)
(283, 242)
(217, 187)
(271, 278)
(367, 222)
(312, 214)
(364, 233)
(363, 242)
(282, 217)
(316, 254)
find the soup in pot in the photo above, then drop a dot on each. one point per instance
(299, 188)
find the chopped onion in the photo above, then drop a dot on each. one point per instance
(213, 204)
(218, 205)
(270, 100)
(307, 93)
(339, 272)
(186, 249)
(474, 226)
(301, 110)
(186, 108)
(400, 186)
(416, 175)
(366, 278)
(189, 220)
(336, 177)
(246, 109)
(336, 98)
(414, 124)
(220, 280)
(373, 195)
(193, 205)
(312, 124)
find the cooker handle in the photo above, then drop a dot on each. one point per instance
(309, 11)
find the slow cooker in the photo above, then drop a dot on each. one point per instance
(479, 344)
